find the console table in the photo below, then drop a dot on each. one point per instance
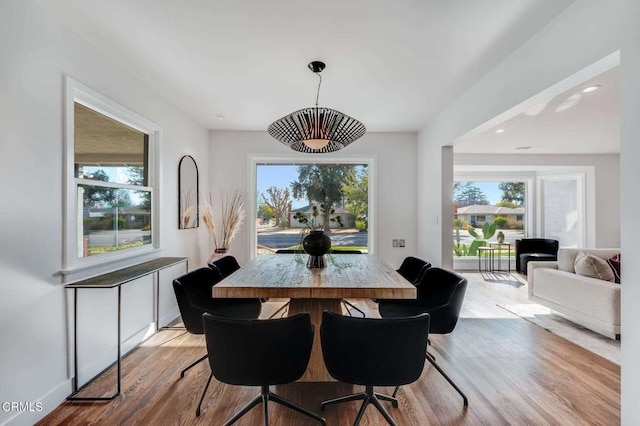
(116, 279)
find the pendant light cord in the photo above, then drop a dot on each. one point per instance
(319, 83)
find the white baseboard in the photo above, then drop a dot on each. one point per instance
(47, 403)
(91, 369)
(50, 401)
(168, 317)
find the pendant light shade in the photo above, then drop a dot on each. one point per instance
(316, 129)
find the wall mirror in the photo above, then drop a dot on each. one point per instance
(188, 193)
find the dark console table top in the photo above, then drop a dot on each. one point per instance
(130, 273)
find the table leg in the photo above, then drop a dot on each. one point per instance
(316, 371)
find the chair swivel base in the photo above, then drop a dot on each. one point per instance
(193, 364)
(265, 396)
(432, 359)
(368, 397)
(348, 305)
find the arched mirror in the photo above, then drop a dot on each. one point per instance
(188, 193)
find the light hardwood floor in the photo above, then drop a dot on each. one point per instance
(514, 373)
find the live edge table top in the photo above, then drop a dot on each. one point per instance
(345, 276)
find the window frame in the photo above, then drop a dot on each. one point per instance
(255, 160)
(77, 92)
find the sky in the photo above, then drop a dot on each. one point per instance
(491, 190)
(281, 176)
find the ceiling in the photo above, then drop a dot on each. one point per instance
(390, 64)
(572, 122)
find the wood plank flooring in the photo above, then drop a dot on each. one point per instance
(514, 373)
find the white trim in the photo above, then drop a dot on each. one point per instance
(78, 92)
(253, 160)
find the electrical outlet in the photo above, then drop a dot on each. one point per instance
(397, 243)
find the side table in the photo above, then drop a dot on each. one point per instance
(499, 247)
(488, 254)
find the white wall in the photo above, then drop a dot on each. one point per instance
(586, 32)
(606, 202)
(36, 51)
(395, 168)
(630, 203)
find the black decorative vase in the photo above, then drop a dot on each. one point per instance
(316, 245)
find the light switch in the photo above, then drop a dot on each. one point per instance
(397, 243)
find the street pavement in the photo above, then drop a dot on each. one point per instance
(279, 239)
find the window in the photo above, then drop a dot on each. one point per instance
(563, 212)
(110, 197)
(284, 188)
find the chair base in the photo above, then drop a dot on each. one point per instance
(193, 364)
(432, 359)
(368, 397)
(348, 305)
(265, 396)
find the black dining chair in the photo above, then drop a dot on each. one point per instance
(412, 269)
(194, 296)
(226, 265)
(259, 353)
(440, 294)
(373, 352)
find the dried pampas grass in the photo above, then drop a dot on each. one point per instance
(231, 216)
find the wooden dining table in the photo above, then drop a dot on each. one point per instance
(314, 290)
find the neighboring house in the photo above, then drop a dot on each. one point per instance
(348, 220)
(478, 215)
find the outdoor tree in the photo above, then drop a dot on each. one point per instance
(266, 212)
(355, 190)
(468, 194)
(279, 201)
(512, 191)
(98, 196)
(322, 184)
(507, 203)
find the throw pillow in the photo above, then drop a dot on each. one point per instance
(592, 266)
(614, 263)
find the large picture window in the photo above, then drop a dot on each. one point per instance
(340, 191)
(110, 181)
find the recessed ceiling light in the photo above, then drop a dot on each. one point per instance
(499, 130)
(524, 147)
(220, 117)
(591, 89)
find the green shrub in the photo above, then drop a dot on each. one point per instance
(361, 224)
(501, 222)
(516, 224)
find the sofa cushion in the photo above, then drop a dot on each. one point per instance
(592, 266)
(567, 256)
(614, 262)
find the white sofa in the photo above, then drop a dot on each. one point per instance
(590, 302)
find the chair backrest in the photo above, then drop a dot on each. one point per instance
(334, 251)
(374, 352)
(441, 293)
(258, 352)
(226, 265)
(191, 288)
(289, 251)
(412, 268)
(537, 245)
